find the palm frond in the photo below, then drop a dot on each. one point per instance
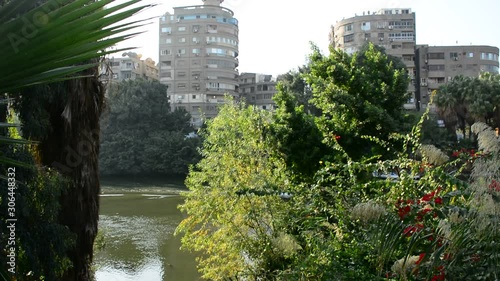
(46, 43)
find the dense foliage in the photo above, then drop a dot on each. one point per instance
(38, 50)
(467, 100)
(41, 242)
(255, 211)
(359, 95)
(141, 136)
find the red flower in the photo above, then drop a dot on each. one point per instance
(403, 211)
(337, 137)
(428, 197)
(494, 186)
(420, 258)
(409, 230)
(439, 277)
(438, 200)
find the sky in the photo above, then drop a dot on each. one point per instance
(275, 35)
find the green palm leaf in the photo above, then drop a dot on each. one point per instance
(45, 43)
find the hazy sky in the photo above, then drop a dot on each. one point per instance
(274, 35)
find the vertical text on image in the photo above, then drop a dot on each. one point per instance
(11, 220)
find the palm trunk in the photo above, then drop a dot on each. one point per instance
(80, 205)
(72, 147)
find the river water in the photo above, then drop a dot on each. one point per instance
(138, 223)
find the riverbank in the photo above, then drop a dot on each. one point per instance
(140, 184)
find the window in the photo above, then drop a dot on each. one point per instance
(365, 26)
(396, 46)
(436, 80)
(436, 56)
(453, 55)
(267, 96)
(181, 74)
(127, 75)
(115, 76)
(381, 24)
(181, 85)
(165, 52)
(489, 56)
(264, 88)
(166, 63)
(470, 55)
(193, 97)
(182, 40)
(166, 74)
(408, 58)
(348, 27)
(166, 29)
(196, 51)
(195, 40)
(438, 67)
(168, 41)
(212, 28)
(115, 63)
(181, 51)
(181, 28)
(408, 45)
(404, 35)
(489, 68)
(163, 18)
(348, 38)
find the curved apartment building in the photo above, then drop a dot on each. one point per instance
(393, 29)
(198, 57)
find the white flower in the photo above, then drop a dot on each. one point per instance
(433, 155)
(368, 211)
(404, 265)
(486, 137)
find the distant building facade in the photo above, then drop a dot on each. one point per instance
(258, 90)
(198, 57)
(130, 66)
(393, 29)
(438, 65)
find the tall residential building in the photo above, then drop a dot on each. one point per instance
(130, 66)
(393, 29)
(198, 57)
(438, 65)
(258, 90)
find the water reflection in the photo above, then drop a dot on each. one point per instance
(139, 239)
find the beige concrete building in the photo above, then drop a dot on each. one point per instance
(437, 65)
(198, 57)
(393, 29)
(258, 90)
(130, 66)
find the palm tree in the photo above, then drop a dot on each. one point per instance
(55, 40)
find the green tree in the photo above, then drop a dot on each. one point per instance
(294, 83)
(233, 206)
(467, 100)
(141, 136)
(359, 95)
